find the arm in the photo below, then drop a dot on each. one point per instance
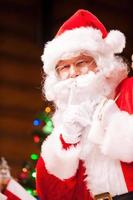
(56, 169)
(50, 187)
(59, 161)
(116, 139)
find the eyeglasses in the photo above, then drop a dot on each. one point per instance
(75, 67)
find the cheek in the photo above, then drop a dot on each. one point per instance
(84, 70)
(64, 75)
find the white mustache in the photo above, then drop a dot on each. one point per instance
(74, 89)
(80, 81)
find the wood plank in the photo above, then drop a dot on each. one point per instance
(21, 20)
(15, 127)
(23, 3)
(21, 97)
(17, 148)
(16, 143)
(19, 72)
(15, 124)
(124, 5)
(16, 152)
(19, 46)
(20, 112)
(15, 30)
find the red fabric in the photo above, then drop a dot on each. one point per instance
(82, 18)
(10, 196)
(66, 145)
(125, 103)
(50, 187)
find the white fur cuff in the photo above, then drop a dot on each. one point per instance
(118, 140)
(58, 161)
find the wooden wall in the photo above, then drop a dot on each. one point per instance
(24, 28)
(20, 79)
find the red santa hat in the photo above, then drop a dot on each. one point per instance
(81, 32)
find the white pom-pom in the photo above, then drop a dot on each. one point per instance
(116, 40)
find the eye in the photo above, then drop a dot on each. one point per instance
(64, 67)
(80, 63)
(60, 68)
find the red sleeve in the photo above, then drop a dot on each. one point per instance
(125, 93)
(50, 187)
(125, 103)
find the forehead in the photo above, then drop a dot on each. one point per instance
(75, 58)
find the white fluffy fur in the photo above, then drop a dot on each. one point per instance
(60, 162)
(118, 140)
(102, 170)
(70, 42)
(116, 40)
(112, 68)
(103, 173)
(78, 40)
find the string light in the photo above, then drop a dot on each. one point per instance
(24, 175)
(47, 129)
(34, 192)
(24, 169)
(34, 156)
(29, 191)
(47, 109)
(36, 138)
(33, 174)
(49, 123)
(36, 122)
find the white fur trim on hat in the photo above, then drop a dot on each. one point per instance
(58, 161)
(116, 40)
(71, 42)
(79, 40)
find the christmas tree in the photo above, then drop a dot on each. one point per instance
(43, 126)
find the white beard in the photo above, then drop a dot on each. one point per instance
(91, 87)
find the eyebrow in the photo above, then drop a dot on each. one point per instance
(82, 57)
(62, 62)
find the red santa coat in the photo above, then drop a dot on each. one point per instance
(62, 175)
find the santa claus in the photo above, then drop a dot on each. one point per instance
(89, 154)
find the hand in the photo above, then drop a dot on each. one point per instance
(105, 110)
(75, 119)
(101, 118)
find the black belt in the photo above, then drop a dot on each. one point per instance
(126, 196)
(107, 196)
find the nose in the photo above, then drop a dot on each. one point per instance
(73, 71)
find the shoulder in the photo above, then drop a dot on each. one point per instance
(125, 95)
(126, 84)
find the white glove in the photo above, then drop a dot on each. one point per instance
(75, 120)
(105, 111)
(101, 118)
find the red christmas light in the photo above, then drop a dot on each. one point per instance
(36, 138)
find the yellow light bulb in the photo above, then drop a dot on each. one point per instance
(47, 109)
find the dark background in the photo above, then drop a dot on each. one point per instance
(25, 25)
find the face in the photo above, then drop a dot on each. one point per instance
(75, 66)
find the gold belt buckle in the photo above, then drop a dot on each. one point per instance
(103, 196)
